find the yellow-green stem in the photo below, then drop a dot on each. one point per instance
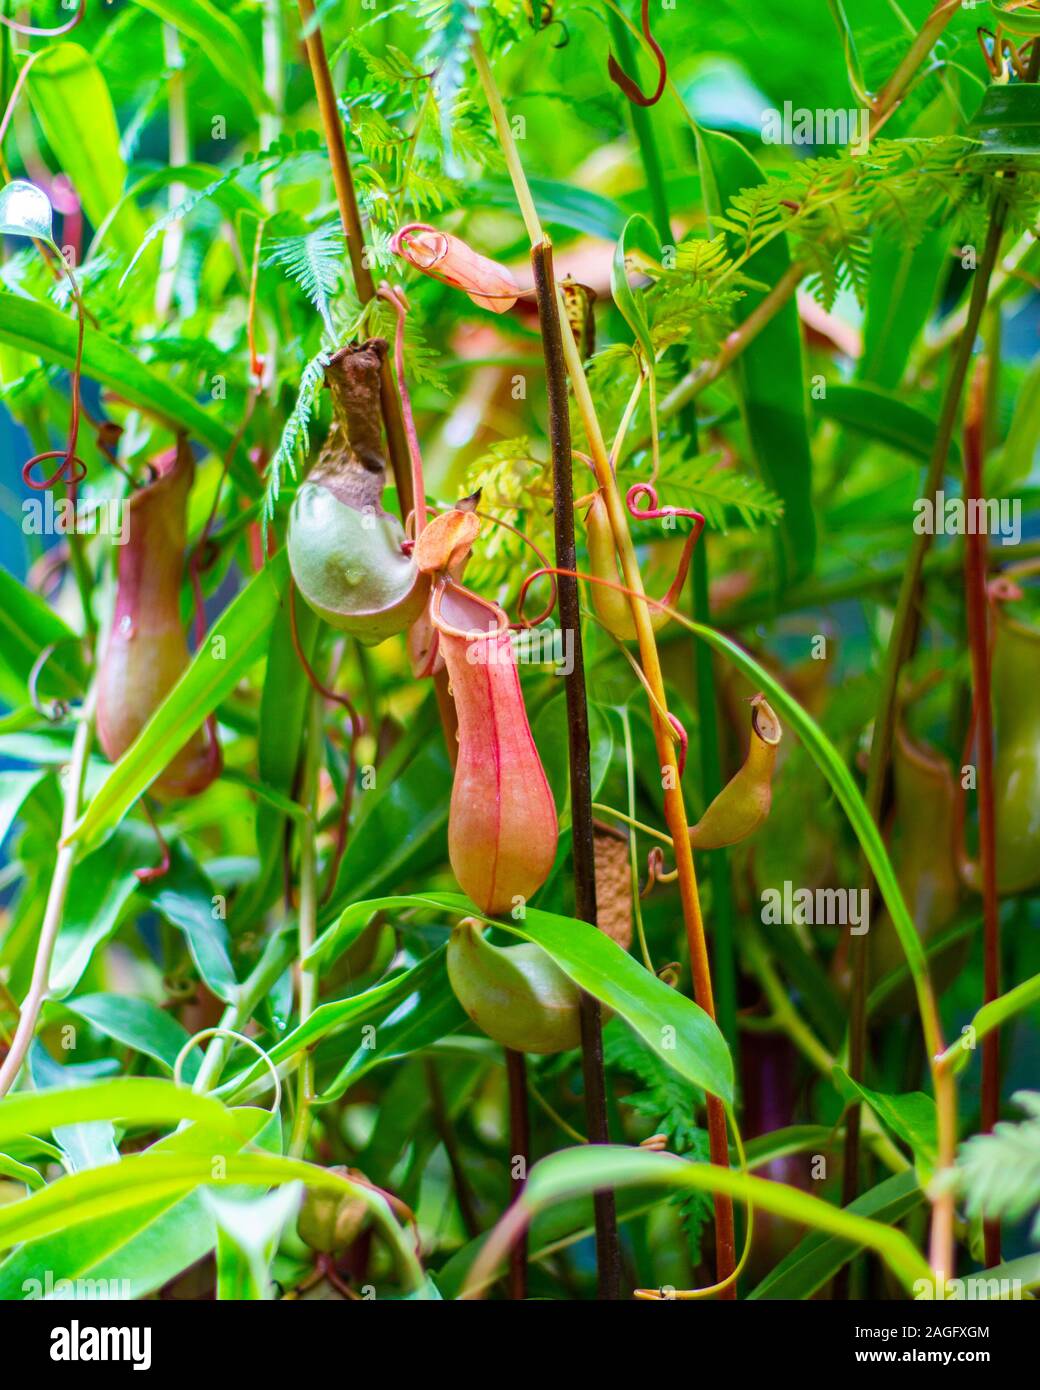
(675, 808)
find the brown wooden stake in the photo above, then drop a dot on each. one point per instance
(608, 1250)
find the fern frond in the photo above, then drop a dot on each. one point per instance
(453, 24)
(295, 442)
(315, 261)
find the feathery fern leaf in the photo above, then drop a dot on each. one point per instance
(315, 261)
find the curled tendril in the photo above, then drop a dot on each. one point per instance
(58, 709)
(356, 729)
(999, 47)
(655, 871)
(654, 512)
(30, 31)
(163, 867)
(620, 78)
(72, 469)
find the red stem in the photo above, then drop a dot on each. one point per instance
(978, 638)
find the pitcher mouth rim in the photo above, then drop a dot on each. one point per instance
(469, 634)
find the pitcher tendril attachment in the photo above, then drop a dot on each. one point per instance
(398, 301)
(655, 871)
(653, 511)
(620, 78)
(163, 867)
(611, 607)
(356, 729)
(72, 469)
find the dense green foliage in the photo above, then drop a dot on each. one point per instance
(779, 346)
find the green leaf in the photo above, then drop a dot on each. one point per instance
(205, 179)
(402, 831)
(884, 418)
(101, 1193)
(48, 333)
(20, 1172)
(832, 765)
(283, 708)
(1007, 124)
(185, 897)
(82, 1146)
(778, 1143)
(675, 1028)
(315, 261)
(998, 1173)
(902, 291)
(137, 1023)
(15, 789)
(910, 1117)
(220, 38)
(233, 643)
(102, 884)
(413, 1009)
(25, 210)
(769, 373)
(817, 1257)
(27, 625)
(1023, 436)
(247, 1237)
(600, 1167)
(141, 1248)
(71, 100)
(637, 237)
(134, 1101)
(560, 205)
(428, 1012)
(991, 1016)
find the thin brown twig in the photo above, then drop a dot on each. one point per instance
(608, 1250)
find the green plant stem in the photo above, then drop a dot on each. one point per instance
(894, 90)
(277, 956)
(446, 1134)
(633, 852)
(307, 829)
(608, 1251)
(56, 896)
(271, 121)
(724, 953)
(900, 645)
(179, 154)
(707, 373)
